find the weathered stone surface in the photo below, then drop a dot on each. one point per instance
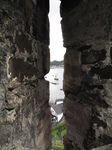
(78, 119)
(111, 54)
(85, 23)
(22, 70)
(67, 5)
(67, 143)
(37, 61)
(22, 116)
(72, 72)
(93, 56)
(24, 60)
(86, 27)
(107, 147)
(104, 72)
(25, 120)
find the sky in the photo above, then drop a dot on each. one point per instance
(57, 50)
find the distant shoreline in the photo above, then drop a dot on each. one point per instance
(54, 67)
(57, 63)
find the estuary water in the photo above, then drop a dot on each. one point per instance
(55, 78)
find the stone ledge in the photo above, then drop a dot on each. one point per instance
(107, 147)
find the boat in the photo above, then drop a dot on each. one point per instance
(54, 83)
(56, 78)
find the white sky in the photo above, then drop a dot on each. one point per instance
(57, 50)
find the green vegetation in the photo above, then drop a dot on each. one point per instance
(56, 63)
(58, 132)
(58, 146)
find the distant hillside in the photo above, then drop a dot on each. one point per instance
(56, 63)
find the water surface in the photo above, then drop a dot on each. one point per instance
(55, 78)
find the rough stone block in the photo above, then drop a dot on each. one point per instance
(78, 118)
(20, 69)
(24, 60)
(93, 56)
(43, 61)
(107, 147)
(85, 22)
(72, 72)
(111, 54)
(104, 72)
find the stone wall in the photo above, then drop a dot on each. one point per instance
(25, 121)
(87, 34)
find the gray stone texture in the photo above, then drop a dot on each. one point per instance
(86, 28)
(25, 120)
(107, 147)
(72, 72)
